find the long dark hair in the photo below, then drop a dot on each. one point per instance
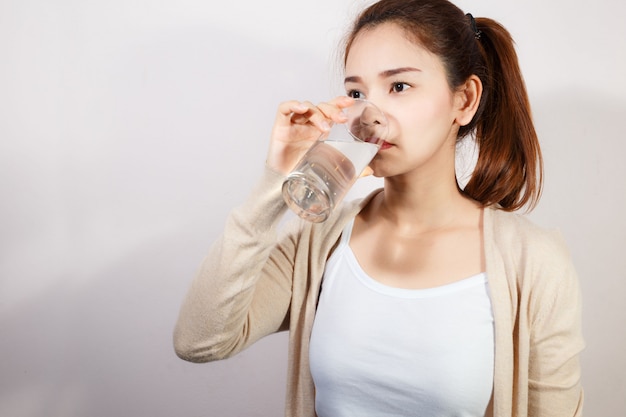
(509, 170)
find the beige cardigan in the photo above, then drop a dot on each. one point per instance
(254, 283)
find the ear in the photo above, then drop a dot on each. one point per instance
(467, 99)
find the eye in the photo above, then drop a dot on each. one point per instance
(399, 87)
(356, 94)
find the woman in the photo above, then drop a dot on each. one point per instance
(421, 299)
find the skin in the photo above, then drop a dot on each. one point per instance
(420, 232)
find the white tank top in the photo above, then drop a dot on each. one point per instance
(381, 351)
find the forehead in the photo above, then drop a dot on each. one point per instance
(387, 46)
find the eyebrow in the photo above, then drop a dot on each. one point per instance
(384, 74)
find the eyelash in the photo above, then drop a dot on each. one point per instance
(353, 93)
(399, 83)
(393, 89)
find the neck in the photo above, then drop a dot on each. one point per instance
(413, 202)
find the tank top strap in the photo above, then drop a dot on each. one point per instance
(346, 233)
(344, 241)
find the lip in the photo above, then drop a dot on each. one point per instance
(385, 145)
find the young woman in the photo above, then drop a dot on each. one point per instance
(422, 299)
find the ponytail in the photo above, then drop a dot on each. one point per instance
(509, 170)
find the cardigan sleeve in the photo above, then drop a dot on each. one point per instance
(555, 336)
(242, 291)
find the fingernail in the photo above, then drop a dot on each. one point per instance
(325, 126)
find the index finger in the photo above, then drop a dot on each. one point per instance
(332, 109)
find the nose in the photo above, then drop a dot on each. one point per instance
(371, 116)
(368, 123)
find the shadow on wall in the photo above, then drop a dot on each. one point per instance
(584, 196)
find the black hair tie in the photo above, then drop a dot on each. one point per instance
(477, 32)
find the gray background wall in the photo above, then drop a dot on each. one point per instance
(129, 129)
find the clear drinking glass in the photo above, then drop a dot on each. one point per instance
(326, 172)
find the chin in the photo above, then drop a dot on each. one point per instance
(382, 173)
(381, 169)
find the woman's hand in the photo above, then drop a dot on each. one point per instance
(297, 126)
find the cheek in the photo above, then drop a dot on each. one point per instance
(426, 115)
(439, 105)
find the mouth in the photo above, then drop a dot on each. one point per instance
(385, 145)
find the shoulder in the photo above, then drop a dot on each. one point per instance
(534, 261)
(516, 232)
(533, 258)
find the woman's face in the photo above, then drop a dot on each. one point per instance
(409, 84)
